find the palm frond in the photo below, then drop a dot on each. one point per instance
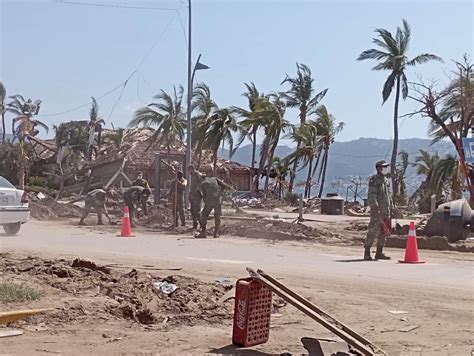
(388, 86)
(423, 58)
(373, 54)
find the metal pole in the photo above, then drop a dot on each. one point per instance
(190, 89)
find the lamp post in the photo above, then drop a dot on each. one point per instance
(191, 72)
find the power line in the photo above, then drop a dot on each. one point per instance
(83, 105)
(116, 6)
(123, 84)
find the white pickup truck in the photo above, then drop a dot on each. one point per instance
(14, 208)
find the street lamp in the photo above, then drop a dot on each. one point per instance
(197, 66)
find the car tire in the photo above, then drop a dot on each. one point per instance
(12, 229)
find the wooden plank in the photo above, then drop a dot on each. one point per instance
(318, 310)
(8, 317)
(10, 332)
(365, 350)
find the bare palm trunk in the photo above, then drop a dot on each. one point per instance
(293, 171)
(393, 162)
(254, 147)
(21, 166)
(307, 191)
(3, 127)
(215, 163)
(325, 164)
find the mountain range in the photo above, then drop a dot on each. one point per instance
(356, 158)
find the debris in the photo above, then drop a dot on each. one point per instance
(48, 351)
(165, 287)
(8, 317)
(403, 319)
(230, 294)
(354, 339)
(409, 328)
(10, 332)
(396, 312)
(225, 282)
(40, 196)
(79, 263)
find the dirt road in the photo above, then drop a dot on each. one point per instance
(437, 296)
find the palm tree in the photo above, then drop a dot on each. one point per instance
(26, 127)
(169, 118)
(94, 125)
(221, 127)
(3, 109)
(205, 107)
(309, 148)
(274, 122)
(392, 56)
(252, 119)
(24, 111)
(327, 129)
(301, 95)
(281, 168)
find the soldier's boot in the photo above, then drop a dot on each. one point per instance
(195, 225)
(202, 234)
(367, 256)
(100, 222)
(81, 222)
(216, 232)
(379, 255)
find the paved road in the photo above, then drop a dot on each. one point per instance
(232, 255)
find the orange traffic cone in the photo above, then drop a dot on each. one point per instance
(126, 227)
(411, 251)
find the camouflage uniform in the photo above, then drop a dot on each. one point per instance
(140, 182)
(95, 200)
(211, 189)
(178, 185)
(134, 197)
(380, 203)
(195, 198)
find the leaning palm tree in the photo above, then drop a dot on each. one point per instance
(274, 123)
(327, 130)
(3, 108)
(205, 107)
(167, 115)
(221, 127)
(301, 95)
(308, 150)
(392, 56)
(251, 118)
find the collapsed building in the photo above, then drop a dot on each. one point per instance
(117, 163)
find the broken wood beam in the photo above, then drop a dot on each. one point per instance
(330, 325)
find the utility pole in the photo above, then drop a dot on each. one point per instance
(188, 113)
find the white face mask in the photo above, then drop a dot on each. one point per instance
(385, 171)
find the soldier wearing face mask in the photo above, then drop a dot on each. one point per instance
(381, 206)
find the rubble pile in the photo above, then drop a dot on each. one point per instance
(88, 290)
(49, 209)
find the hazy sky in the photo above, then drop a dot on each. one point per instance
(65, 53)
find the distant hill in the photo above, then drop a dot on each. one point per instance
(357, 157)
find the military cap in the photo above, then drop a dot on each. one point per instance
(381, 163)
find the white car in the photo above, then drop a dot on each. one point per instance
(14, 208)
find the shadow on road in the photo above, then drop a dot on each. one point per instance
(355, 260)
(235, 350)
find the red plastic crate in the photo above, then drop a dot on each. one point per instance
(252, 310)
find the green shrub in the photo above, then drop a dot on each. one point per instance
(11, 293)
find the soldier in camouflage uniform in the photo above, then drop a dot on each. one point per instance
(134, 198)
(95, 200)
(179, 186)
(381, 206)
(195, 197)
(141, 182)
(211, 190)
